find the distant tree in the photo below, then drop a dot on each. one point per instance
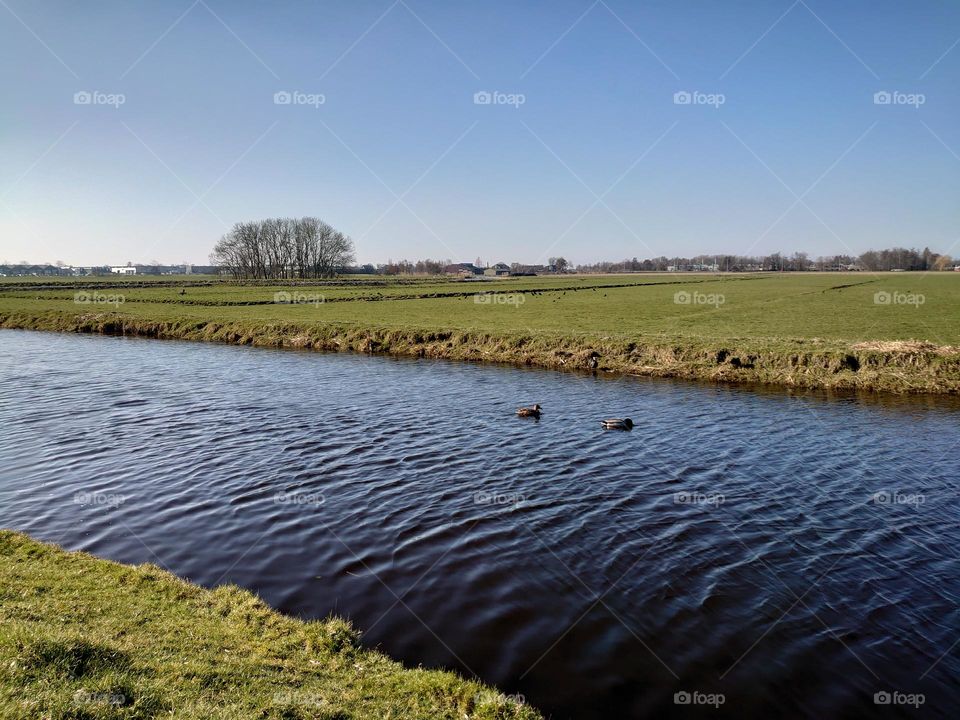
(279, 248)
(870, 260)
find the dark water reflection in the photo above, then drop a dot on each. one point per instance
(551, 558)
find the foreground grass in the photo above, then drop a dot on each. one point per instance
(799, 330)
(88, 639)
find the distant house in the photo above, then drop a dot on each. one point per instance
(462, 270)
(125, 270)
(42, 270)
(497, 270)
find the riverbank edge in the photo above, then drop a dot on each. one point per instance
(82, 636)
(909, 367)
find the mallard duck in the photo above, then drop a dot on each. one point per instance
(533, 411)
(617, 424)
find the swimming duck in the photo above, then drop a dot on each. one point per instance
(533, 411)
(617, 424)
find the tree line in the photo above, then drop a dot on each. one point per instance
(278, 248)
(872, 260)
(406, 267)
(436, 267)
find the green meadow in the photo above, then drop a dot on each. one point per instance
(721, 327)
(843, 307)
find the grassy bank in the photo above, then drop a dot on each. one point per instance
(86, 639)
(897, 332)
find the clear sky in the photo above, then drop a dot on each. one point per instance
(583, 153)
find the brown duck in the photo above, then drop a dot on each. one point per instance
(532, 411)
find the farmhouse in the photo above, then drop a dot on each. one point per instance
(124, 270)
(497, 270)
(462, 269)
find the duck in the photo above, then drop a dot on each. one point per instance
(532, 411)
(617, 424)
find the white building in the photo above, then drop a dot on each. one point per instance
(124, 270)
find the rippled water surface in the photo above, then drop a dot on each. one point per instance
(732, 543)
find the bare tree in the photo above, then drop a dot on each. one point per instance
(278, 248)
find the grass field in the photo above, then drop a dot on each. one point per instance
(88, 639)
(778, 328)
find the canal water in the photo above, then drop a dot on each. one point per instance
(738, 553)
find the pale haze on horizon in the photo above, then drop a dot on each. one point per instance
(506, 131)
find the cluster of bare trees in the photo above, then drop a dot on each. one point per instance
(905, 259)
(283, 248)
(420, 267)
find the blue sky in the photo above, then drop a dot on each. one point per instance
(584, 153)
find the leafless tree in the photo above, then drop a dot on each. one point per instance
(279, 248)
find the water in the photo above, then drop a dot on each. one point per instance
(731, 543)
